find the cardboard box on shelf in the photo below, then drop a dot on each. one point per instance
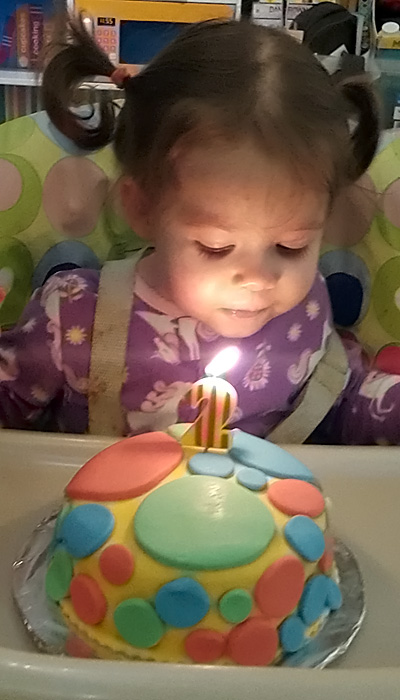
(133, 31)
(270, 14)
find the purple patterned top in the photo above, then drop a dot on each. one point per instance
(45, 359)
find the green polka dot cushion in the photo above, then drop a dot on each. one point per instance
(58, 209)
(363, 272)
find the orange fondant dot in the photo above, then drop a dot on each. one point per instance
(116, 564)
(205, 645)
(253, 643)
(326, 561)
(88, 599)
(78, 648)
(127, 469)
(279, 588)
(295, 497)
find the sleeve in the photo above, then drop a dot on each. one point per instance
(368, 410)
(43, 358)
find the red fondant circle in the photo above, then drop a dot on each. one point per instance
(78, 648)
(116, 564)
(295, 497)
(88, 599)
(326, 561)
(205, 645)
(279, 588)
(253, 643)
(127, 469)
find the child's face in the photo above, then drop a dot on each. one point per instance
(236, 243)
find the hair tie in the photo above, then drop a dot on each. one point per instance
(119, 76)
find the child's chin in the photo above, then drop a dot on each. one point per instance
(238, 328)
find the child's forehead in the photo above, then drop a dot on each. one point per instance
(228, 160)
(241, 166)
(222, 183)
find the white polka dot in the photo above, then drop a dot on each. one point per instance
(397, 298)
(74, 193)
(11, 185)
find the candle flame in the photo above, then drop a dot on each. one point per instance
(223, 362)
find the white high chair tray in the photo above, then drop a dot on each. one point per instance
(364, 485)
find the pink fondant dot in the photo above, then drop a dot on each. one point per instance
(279, 588)
(127, 469)
(11, 185)
(326, 561)
(116, 564)
(88, 599)
(295, 497)
(253, 643)
(205, 646)
(74, 193)
(78, 648)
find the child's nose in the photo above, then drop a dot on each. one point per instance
(257, 275)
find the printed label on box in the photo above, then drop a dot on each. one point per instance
(270, 11)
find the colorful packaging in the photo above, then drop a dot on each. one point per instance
(22, 31)
(135, 31)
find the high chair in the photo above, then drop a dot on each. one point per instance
(361, 257)
(58, 210)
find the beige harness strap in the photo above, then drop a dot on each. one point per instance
(108, 360)
(108, 357)
(324, 387)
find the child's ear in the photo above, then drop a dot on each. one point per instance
(352, 213)
(136, 205)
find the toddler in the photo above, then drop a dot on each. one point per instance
(233, 144)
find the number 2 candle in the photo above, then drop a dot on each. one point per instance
(217, 400)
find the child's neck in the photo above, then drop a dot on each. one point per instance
(147, 287)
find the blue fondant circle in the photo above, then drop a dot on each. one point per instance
(251, 478)
(210, 464)
(182, 602)
(334, 597)
(291, 634)
(86, 528)
(313, 602)
(269, 458)
(305, 537)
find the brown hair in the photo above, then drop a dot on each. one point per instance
(221, 79)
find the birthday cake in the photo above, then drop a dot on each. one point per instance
(169, 552)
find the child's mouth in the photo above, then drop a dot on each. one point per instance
(243, 313)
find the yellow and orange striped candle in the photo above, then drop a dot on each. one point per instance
(217, 400)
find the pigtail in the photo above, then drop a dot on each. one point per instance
(71, 61)
(364, 108)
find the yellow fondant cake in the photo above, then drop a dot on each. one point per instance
(170, 553)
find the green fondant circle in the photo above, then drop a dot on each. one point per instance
(235, 606)
(385, 287)
(59, 575)
(25, 210)
(138, 623)
(203, 522)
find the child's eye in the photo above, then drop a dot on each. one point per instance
(291, 252)
(213, 252)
